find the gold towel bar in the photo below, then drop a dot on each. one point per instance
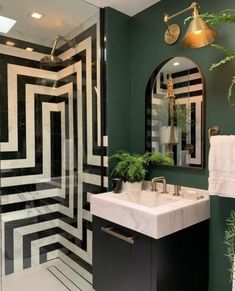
(213, 131)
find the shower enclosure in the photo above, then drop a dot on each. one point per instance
(52, 156)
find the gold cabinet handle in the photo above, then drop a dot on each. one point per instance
(110, 230)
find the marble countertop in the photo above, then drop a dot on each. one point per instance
(153, 220)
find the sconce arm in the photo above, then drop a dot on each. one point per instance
(194, 6)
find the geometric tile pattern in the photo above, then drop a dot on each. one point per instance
(53, 156)
(54, 275)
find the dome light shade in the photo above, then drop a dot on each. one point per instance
(199, 34)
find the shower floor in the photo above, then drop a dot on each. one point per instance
(54, 275)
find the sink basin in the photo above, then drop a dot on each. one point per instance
(147, 198)
(154, 214)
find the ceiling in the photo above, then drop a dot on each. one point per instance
(129, 7)
(60, 17)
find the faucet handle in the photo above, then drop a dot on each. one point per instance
(177, 189)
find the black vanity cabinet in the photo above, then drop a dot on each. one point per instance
(124, 260)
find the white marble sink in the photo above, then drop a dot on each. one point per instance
(146, 198)
(153, 213)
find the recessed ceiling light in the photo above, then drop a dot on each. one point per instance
(36, 15)
(176, 64)
(10, 43)
(6, 24)
(30, 49)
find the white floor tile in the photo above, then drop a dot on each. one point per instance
(34, 279)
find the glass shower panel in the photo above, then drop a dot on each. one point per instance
(53, 145)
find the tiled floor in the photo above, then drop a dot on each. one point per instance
(54, 275)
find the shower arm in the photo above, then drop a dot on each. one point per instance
(71, 43)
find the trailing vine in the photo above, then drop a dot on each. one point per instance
(230, 242)
(226, 16)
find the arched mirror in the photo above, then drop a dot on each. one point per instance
(175, 101)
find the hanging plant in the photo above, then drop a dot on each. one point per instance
(230, 243)
(226, 16)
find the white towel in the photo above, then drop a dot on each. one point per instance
(222, 166)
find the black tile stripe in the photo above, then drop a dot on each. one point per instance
(185, 73)
(198, 93)
(56, 159)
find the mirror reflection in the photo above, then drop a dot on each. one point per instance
(174, 112)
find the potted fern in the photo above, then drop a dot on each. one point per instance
(132, 168)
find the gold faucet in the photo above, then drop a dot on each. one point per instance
(154, 182)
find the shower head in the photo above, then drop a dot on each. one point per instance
(52, 60)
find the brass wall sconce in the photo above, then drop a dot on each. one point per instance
(199, 33)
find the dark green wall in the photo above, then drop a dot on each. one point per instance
(118, 80)
(149, 50)
(135, 47)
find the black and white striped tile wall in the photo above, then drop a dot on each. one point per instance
(53, 154)
(188, 90)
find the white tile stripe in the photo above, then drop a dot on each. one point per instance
(77, 280)
(28, 213)
(98, 79)
(186, 78)
(63, 278)
(94, 179)
(12, 110)
(190, 77)
(31, 90)
(189, 89)
(87, 45)
(95, 19)
(20, 232)
(12, 72)
(20, 53)
(87, 215)
(52, 255)
(46, 172)
(84, 213)
(33, 195)
(37, 244)
(198, 101)
(79, 269)
(22, 214)
(80, 152)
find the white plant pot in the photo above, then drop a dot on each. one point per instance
(131, 187)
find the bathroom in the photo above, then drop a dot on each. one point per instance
(46, 223)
